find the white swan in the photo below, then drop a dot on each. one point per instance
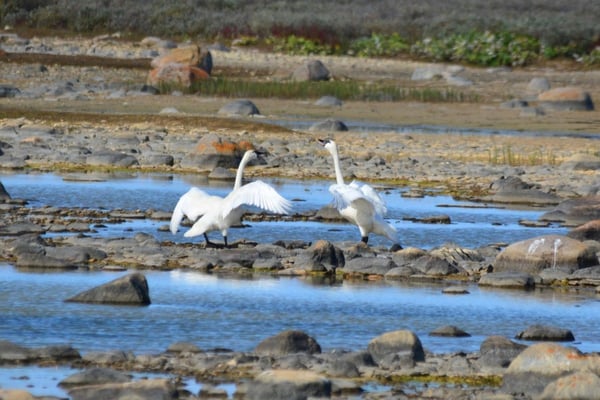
(359, 204)
(219, 213)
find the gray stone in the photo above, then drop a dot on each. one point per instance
(150, 389)
(498, 351)
(3, 193)
(449, 331)
(322, 256)
(432, 265)
(95, 376)
(579, 385)
(396, 347)
(130, 289)
(8, 91)
(368, 266)
(513, 190)
(288, 385)
(329, 125)
(241, 107)
(329, 101)
(575, 211)
(111, 158)
(546, 333)
(507, 279)
(313, 70)
(288, 342)
(12, 352)
(538, 85)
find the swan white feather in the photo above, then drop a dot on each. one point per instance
(218, 213)
(358, 203)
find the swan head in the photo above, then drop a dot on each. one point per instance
(328, 144)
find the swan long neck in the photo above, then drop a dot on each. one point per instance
(240, 171)
(336, 164)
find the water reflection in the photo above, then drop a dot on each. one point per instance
(471, 226)
(211, 312)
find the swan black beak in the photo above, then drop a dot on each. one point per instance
(323, 142)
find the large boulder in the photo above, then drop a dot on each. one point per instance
(579, 385)
(322, 256)
(313, 70)
(498, 351)
(148, 389)
(288, 342)
(513, 190)
(401, 347)
(566, 98)
(131, 289)
(551, 251)
(288, 385)
(213, 152)
(111, 158)
(587, 231)
(179, 75)
(242, 107)
(329, 125)
(95, 376)
(3, 193)
(191, 55)
(575, 212)
(546, 333)
(542, 363)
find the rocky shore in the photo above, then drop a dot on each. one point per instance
(87, 120)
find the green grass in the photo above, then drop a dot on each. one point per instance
(343, 90)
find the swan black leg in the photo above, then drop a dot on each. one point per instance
(364, 239)
(225, 240)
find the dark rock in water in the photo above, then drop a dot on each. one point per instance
(498, 351)
(12, 352)
(551, 251)
(546, 333)
(288, 342)
(56, 353)
(130, 289)
(150, 389)
(449, 331)
(239, 107)
(322, 256)
(396, 348)
(369, 266)
(330, 125)
(431, 265)
(289, 384)
(95, 376)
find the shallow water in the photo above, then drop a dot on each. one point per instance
(472, 226)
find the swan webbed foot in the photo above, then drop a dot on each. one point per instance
(214, 245)
(364, 239)
(396, 247)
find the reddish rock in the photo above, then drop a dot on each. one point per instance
(587, 231)
(566, 98)
(176, 74)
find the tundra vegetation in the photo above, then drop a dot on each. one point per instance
(476, 32)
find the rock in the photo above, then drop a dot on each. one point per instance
(566, 99)
(12, 352)
(329, 101)
(538, 85)
(183, 347)
(542, 363)
(432, 265)
(17, 394)
(111, 158)
(551, 251)
(449, 331)
(130, 289)
(515, 103)
(507, 279)
(368, 266)
(514, 190)
(575, 211)
(178, 75)
(241, 107)
(329, 125)
(288, 385)
(313, 70)
(221, 174)
(56, 353)
(8, 91)
(322, 256)
(498, 351)
(400, 347)
(455, 290)
(94, 376)
(191, 55)
(213, 152)
(150, 389)
(579, 385)
(546, 333)
(288, 342)
(428, 72)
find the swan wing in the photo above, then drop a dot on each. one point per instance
(372, 196)
(256, 194)
(192, 204)
(348, 195)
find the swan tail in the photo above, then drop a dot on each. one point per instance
(176, 218)
(199, 228)
(191, 204)
(386, 229)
